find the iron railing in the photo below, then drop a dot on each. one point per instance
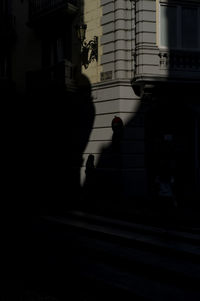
(61, 74)
(180, 60)
(44, 6)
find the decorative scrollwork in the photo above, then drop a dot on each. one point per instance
(89, 52)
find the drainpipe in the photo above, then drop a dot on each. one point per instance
(133, 50)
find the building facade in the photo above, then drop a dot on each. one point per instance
(147, 74)
(115, 108)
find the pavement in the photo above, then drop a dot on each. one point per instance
(143, 261)
(149, 215)
(146, 213)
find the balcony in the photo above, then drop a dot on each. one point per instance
(167, 70)
(177, 60)
(59, 76)
(40, 9)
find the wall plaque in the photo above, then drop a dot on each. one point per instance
(106, 75)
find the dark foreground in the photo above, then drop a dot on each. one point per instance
(85, 256)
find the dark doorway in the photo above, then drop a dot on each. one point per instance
(170, 148)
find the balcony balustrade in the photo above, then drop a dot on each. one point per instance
(175, 60)
(178, 69)
(39, 8)
(59, 75)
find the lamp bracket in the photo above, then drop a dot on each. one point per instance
(89, 51)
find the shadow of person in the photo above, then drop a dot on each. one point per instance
(89, 187)
(118, 129)
(82, 124)
(102, 185)
(51, 130)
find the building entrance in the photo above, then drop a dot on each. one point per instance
(170, 145)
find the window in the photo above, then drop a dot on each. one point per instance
(57, 46)
(179, 27)
(189, 28)
(53, 51)
(168, 21)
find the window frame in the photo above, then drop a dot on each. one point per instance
(179, 8)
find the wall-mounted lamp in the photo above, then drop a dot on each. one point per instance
(89, 51)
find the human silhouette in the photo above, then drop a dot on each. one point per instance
(165, 187)
(89, 186)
